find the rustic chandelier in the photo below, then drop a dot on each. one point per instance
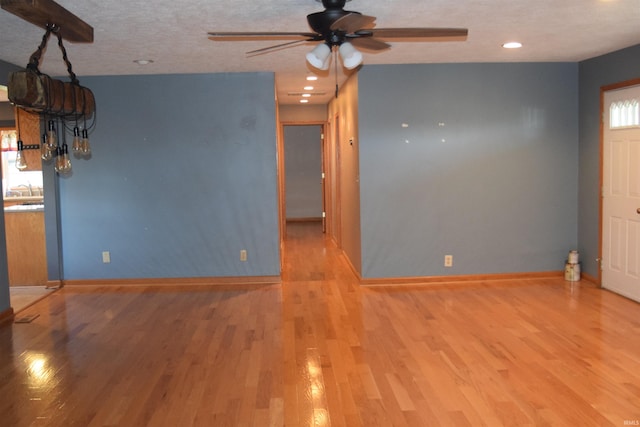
(65, 108)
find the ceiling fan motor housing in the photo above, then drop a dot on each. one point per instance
(321, 22)
(333, 4)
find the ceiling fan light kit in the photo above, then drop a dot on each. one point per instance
(320, 56)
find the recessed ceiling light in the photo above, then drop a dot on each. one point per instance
(512, 45)
(308, 88)
(304, 101)
(312, 78)
(143, 61)
(306, 95)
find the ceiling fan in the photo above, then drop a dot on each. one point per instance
(344, 29)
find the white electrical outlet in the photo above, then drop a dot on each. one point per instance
(243, 255)
(106, 257)
(448, 260)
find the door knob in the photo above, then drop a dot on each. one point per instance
(638, 211)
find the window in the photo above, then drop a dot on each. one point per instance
(623, 114)
(16, 183)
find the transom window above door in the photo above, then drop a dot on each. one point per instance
(624, 114)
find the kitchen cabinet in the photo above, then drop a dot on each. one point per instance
(26, 249)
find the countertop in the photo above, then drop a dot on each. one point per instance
(31, 207)
(23, 199)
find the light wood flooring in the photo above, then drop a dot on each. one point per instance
(24, 296)
(319, 350)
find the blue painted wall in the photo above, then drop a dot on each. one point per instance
(183, 177)
(604, 70)
(487, 169)
(183, 172)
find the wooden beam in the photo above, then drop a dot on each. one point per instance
(46, 12)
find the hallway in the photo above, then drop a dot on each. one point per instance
(320, 350)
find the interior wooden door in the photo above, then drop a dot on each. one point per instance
(621, 193)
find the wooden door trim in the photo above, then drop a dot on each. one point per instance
(337, 159)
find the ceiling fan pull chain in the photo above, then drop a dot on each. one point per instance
(335, 64)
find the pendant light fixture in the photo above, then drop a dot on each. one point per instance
(21, 161)
(63, 107)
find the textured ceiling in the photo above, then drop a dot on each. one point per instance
(173, 33)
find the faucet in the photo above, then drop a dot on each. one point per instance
(28, 187)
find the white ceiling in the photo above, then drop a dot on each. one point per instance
(173, 33)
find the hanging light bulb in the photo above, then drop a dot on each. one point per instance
(52, 136)
(45, 151)
(320, 56)
(58, 162)
(21, 162)
(66, 161)
(63, 163)
(76, 146)
(86, 146)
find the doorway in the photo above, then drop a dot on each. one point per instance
(23, 207)
(304, 173)
(621, 190)
(23, 203)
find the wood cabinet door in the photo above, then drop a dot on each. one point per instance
(30, 135)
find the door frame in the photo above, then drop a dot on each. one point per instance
(282, 174)
(603, 90)
(336, 221)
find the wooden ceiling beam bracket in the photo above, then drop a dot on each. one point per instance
(47, 12)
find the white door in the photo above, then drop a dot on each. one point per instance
(621, 193)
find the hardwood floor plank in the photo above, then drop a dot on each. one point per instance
(320, 350)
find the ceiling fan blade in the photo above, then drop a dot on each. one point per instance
(368, 43)
(352, 22)
(420, 33)
(276, 47)
(233, 35)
